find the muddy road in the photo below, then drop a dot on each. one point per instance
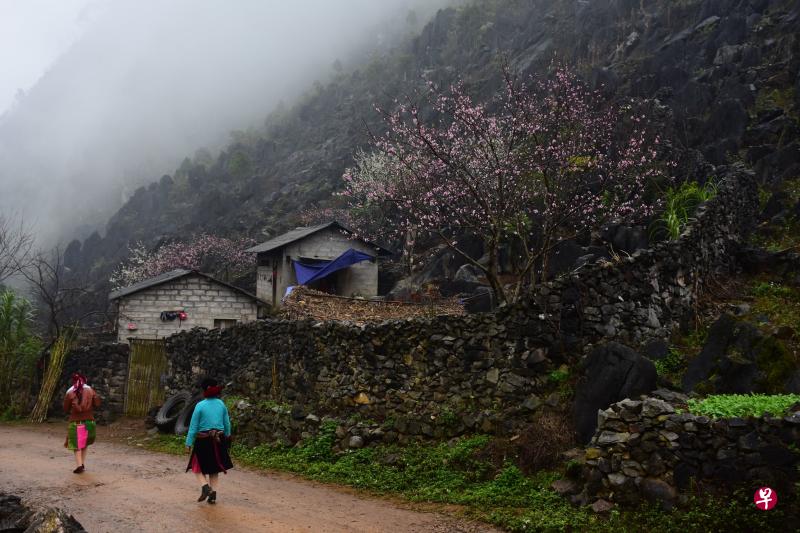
(130, 489)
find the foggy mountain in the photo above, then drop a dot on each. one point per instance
(147, 83)
(723, 73)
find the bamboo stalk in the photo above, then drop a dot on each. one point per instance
(58, 354)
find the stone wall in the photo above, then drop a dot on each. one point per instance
(488, 370)
(203, 300)
(646, 448)
(491, 369)
(643, 296)
(106, 369)
(286, 426)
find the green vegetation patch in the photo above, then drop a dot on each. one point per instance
(671, 366)
(779, 302)
(19, 350)
(455, 472)
(776, 237)
(743, 405)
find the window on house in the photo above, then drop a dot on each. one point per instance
(224, 323)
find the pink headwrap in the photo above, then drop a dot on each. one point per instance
(78, 381)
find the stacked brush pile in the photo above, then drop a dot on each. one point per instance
(303, 303)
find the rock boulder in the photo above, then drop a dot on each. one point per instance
(610, 373)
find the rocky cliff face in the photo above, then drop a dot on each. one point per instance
(727, 70)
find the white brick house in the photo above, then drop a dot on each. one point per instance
(316, 244)
(179, 300)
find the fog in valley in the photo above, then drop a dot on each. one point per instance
(98, 98)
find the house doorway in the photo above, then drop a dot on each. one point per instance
(146, 364)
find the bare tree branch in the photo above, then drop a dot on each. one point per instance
(15, 246)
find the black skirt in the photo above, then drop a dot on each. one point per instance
(212, 455)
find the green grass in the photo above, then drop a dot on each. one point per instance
(742, 405)
(456, 473)
(679, 208)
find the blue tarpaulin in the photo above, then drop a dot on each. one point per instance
(309, 272)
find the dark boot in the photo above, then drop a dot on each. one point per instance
(79, 470)
(204, 492)
(212, 498)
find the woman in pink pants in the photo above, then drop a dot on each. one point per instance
(80, 402)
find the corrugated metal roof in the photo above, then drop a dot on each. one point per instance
(171, 276)
(301, 233)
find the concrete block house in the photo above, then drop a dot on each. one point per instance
(178, 300)
(324, 257)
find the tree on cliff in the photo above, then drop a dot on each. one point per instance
(540, 164)
(220, 256)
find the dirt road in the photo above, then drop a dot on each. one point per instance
(131, 489)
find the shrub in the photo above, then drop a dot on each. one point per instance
(19, 349)
(671, 364)
(538, 446)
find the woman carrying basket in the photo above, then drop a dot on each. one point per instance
(208, 440)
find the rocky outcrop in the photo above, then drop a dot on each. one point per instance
(15, 515)
(610, 373)
(738, 358)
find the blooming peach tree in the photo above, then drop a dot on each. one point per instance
(545, 161)
(220, 256)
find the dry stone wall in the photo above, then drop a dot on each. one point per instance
(489, 371)
(106, 369)
(486, 370)
(647, 448)
(643, 296)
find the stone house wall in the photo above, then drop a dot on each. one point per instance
(203, 300)
(359, 279)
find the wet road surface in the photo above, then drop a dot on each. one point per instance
(131, 489)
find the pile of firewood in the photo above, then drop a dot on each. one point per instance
(307, 303)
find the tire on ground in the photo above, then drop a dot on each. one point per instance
(168, 413)
(185, 417)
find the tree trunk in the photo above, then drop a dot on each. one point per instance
(492, 273)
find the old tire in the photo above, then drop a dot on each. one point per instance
(185, 416)
(168, 413)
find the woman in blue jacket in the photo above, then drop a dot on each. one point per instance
(208, 441)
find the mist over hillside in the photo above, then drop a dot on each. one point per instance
(723, 76)
(147, 83)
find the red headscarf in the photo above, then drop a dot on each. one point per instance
(78, 381)
(212, 391)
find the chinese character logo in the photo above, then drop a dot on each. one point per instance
(765, 498)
